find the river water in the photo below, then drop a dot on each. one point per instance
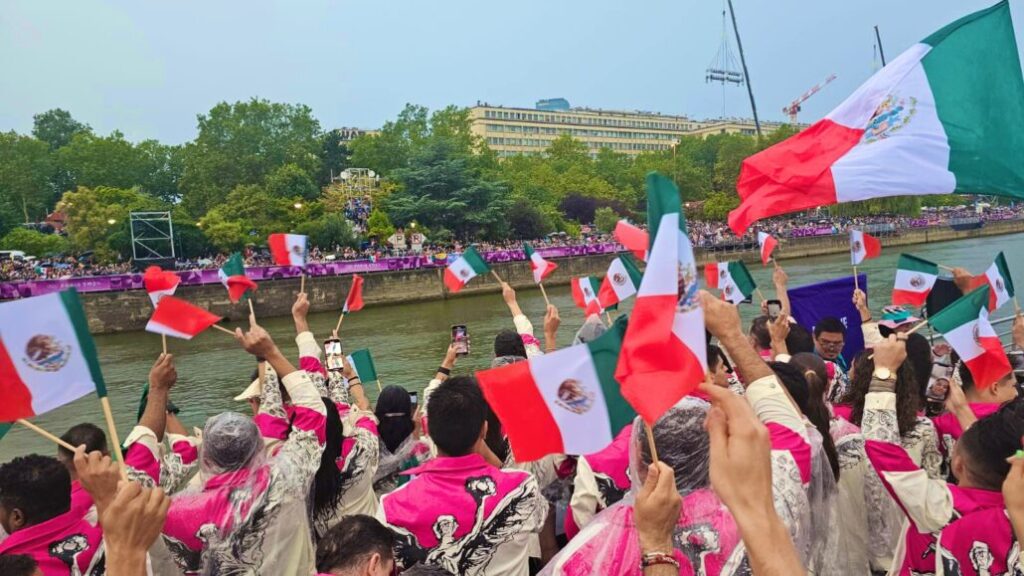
(408, 341)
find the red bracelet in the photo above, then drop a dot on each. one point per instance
(657, 558)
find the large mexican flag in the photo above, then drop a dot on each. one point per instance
(943, 117)
(664, 354)
(47, 357)
(965, 325)
(566, 402)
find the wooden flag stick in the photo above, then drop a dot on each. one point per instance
(608, 315)
(302, 282)
(759, 294)
(340, 318)
(379, 387)
(163, 340)
(545, 294)
(251, 311)
(1016, 305)
(112, 429)
(856, 282)
(222, 329)
(916, 327)
(45, 434)
(950, 268)
(650, 442)
(496, 277)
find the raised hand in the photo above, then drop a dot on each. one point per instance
(720, 318)
(657, 508)
(99, 475)
(890, 353)
(163, 375)
(256, 341)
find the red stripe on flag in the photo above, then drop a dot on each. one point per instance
(17, 399)
(512, 393)
(711, 275)
(793, 175)
(633, 238)
(990, 367)
(655, 368)
(354, 302)
(155, 279)
(766, 250)
(982, 280)
(606, 296)
(872, 246)
(238, 285)
(452, 281)
(905, 297)
(279, 249)
(180, 316)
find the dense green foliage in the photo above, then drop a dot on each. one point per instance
(257, 167)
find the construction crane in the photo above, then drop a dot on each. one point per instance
(794, 107)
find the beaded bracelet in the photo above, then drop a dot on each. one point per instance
(657, 558)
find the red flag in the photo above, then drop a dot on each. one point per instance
(633, 238)
(354, 302)
(177, 318)
(159, 283)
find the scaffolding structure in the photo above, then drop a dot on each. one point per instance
(152, 236)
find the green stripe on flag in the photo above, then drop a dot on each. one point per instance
(5, 427)
(662, 198)
(974, 73)
(73, 307)
(233, 266)
(742, 278)
(475, 261)
(629, 263)
(528, 250)
(605, 353)
(964, 310)
(1004, 271)
(362, 363)
(915, 264)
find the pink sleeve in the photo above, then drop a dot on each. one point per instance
(185, 448)
(141, 453)
(927, 502)
(272, 427)
(785, 439)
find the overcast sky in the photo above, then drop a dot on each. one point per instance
(147, 67)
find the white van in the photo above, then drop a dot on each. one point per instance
(12, 255)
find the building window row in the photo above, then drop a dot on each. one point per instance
(543, 144)
(579, 132)
(586, 120)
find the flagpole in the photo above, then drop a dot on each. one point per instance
(302, 282)
(251, 311)
(496, 277)
(163, 340)
(608, 315)
(759, 294)
(545, 294)
(650, 442)
(340, 318)
(112, 428)
(222, 329)
(856, 282)
(950, 268)
(45, 434)
(379, 387)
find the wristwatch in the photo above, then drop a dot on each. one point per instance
(884, 374)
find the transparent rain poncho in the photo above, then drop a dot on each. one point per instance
(705, 534)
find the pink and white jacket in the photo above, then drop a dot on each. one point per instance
(256, 520)
(70, 544)
(602, 479)
(966, 524)
(464, 515)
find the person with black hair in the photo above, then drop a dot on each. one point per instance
(829, 339)
(717, 367)
(521, 342)
(961, 527)
(401, 446)
(19, 565)
(760, 337)
(358, 545)
(460, 510)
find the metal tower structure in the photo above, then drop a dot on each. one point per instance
(794, 107)
(152, 236)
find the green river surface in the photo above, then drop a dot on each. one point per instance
(408, 341)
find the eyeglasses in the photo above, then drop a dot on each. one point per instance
(831, 343)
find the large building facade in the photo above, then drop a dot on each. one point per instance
(513, 131)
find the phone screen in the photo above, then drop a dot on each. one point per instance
(774, 308)
(414, 397)
(938, 383)
(332, 350)
(460, 337)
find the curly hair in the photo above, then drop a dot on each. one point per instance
(39, 486)
(18, 565)
(908, 392)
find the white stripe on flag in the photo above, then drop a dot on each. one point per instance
(583, 422)
(462, 270)
(962, 340)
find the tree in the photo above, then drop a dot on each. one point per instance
(389, 149)
(161, 168)
(94, 161)
(441, 188)
(329, 231)
(290, 181)
(579, 208)
(379, 225)
(56, 127)
(718, 205)
(526, 222)
(605, 219)
(25, 170)
(34, 242)
(334, 157)
(97, 218)
(241, 144)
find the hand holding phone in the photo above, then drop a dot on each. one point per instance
(334, 355)
(460, 339)
(774, 308)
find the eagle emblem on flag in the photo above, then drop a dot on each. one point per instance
(976, 333)
(574, 397)
(1000, 286)
(619, 278)
(855, 246)
(917, 281)
(464, 273)
(891, 115)
(46, 353)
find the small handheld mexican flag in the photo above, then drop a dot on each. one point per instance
(998, 278)
(863, 246)
(915, 278)
(354, 301)
(362, 363)
(566, 402)
(465, 268)
(177, 318)
(621, 281)
(965, 325)
(159, 283)
(732, 278)
(584, 294)
(664, 352)
(767, 242)
(633, 238)
(47, 356)
(287, 249)
(232, 276)
(541, 267)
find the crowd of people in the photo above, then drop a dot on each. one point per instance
(789, 459)
(703, 234)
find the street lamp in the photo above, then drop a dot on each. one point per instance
(111, 221)
(298, 205)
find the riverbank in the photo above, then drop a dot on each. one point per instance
(112, 312)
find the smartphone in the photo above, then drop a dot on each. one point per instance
(333, 353)
(460, 338)
(938, 383)
(774, 308)
(414, 397)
